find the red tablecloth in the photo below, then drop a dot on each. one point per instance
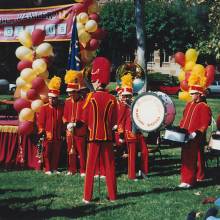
(15, 150)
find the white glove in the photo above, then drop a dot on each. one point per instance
(115, 127)
(70, 126)
(192, 135)
(121, 140)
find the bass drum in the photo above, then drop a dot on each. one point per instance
(153, 111)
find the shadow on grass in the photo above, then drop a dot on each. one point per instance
(2, 191)
(75, 212)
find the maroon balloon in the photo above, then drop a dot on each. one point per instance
(38, 83)
(99, 34)
(184, 85)
(92, 45)
(94, 16)
(25, 127)
(21, 103)
(24, 64)
(32, 94)
(38, 37)
(87, 3)
(79, 7)
(210, 74)
(180, 58)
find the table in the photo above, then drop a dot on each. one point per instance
(16, 151)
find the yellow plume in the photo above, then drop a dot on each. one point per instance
(72, 76)
(126, 80)
(55, 83)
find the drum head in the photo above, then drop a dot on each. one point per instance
(148, 112)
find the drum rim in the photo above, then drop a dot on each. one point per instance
(132, 107)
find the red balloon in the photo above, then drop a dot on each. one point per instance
(79, 7)
(25, 127)
(38, 83)
(24, 64)
(180, 58)
(184, 85)
(99, 34)
(38, 37)
(32, 94)
(92, 45)
(210, 74)
(20, 103)
(94, 16)
(87, 2)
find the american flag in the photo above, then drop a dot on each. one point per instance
(74, 62)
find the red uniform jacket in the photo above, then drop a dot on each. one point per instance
(101, 115)
(73, 112)
(50, 121)
(196, 116)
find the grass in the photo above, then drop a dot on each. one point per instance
(29, 194)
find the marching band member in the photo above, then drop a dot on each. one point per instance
(50, 124)
(196, 119)
(100, 116)
(134, 141)
(76, 130)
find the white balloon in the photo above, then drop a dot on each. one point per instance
(24, 53)
(39, 66)
(36, 105)
(28, 74)
(20, 82)
(91, 26)
(44, 50)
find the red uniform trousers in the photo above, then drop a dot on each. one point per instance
(192, 163)
(133, 147)
(76, 145)
(105, 150)
(51, 154)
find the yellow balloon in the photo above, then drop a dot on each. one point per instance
(185, 96)
(36, 105)
(199, 70)
(84, 37)
(44, 75)
(189, 65)
(44, 50)
(39, 66)
(25, 38)
(80, 26)
(24, 53)
(26, 114)
(191, 55)
(28, 74)
(79, 1)
(87, 56)
(82, 17)
(93, 8)
(181, 75)
(23, 94)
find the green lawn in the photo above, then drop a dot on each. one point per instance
(32, 195)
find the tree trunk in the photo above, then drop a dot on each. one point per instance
(139, 15)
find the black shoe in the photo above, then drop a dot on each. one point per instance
(211, 212)
(191, 216)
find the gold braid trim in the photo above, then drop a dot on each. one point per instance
(8, 128)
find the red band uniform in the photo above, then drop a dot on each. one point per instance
(134, 141)
(75, 134)
(100, 116)
(196, 118)
(50, 122)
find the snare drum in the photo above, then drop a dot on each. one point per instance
(214, 142)
(176, 134)
(153, 111)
